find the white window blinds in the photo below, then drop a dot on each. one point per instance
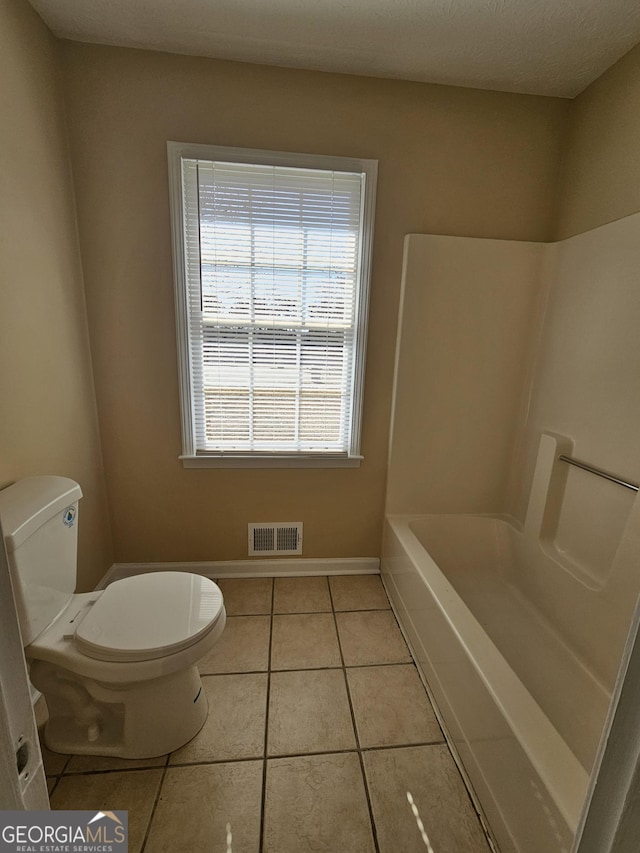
(273, 292)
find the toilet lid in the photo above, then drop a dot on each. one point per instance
(149, 616)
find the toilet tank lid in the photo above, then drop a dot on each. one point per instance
(28, 504)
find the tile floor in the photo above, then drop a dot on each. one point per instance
(318, 726)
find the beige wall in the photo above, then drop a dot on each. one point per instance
(452, 161)
(601, 171)
(48, 423)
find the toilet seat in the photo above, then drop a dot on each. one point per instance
(149, 616)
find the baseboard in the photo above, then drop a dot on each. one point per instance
(251, 568)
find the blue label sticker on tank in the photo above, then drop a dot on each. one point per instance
(69, 516)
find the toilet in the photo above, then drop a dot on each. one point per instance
(117, 667)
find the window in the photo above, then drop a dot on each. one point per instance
(271, 261)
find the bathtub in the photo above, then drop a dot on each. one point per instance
(521, 709)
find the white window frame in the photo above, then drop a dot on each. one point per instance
(191, 457)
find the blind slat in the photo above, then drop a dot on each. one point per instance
(272, 265)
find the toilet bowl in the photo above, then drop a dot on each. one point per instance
(117, 667)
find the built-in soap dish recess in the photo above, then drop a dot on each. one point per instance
(276, 539)
(579, 513)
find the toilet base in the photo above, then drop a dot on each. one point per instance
(142, 719)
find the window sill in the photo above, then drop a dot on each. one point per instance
(294, 460)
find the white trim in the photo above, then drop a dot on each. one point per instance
(180, 295)
(305, 567)
(176, 152)
(261, 156)
(315, 460)
(367, 222)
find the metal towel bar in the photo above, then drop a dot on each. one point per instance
(599, 473)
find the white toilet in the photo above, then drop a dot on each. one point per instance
(117, 667)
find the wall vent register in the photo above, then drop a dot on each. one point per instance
(277, 539)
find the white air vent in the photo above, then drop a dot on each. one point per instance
(278, 539)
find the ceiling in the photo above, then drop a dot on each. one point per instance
(544, 47)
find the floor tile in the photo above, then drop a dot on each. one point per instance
(430, 775)
(196, 803)
(246, 596)
(313, 802)
(316, 803)
(391, 706)
(243, 647)
(304, 641)
(309, 712)
(358, 592)
(301, 595)
(371, 637)
(134, 792)
(89, 763)
(236, 721)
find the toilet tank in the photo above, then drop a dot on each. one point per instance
(39, 519)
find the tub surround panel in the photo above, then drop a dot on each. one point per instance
(563, 341)
(553, 583)
(548, 571)
(587, 369)
(501, 341)
(463, 354)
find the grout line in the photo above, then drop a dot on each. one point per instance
(244, 759)
(363, 610)
(372, 824)
(344, 666)
(403, 745)
(311, 612)
(155, 804)
(64, 766)
(308, 668)
(235, 615)
(235, 672)
(55, 784)
(97, 772)
(266, 724)
(357, 750)
(326, 612)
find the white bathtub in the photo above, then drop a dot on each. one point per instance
(518, 704)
